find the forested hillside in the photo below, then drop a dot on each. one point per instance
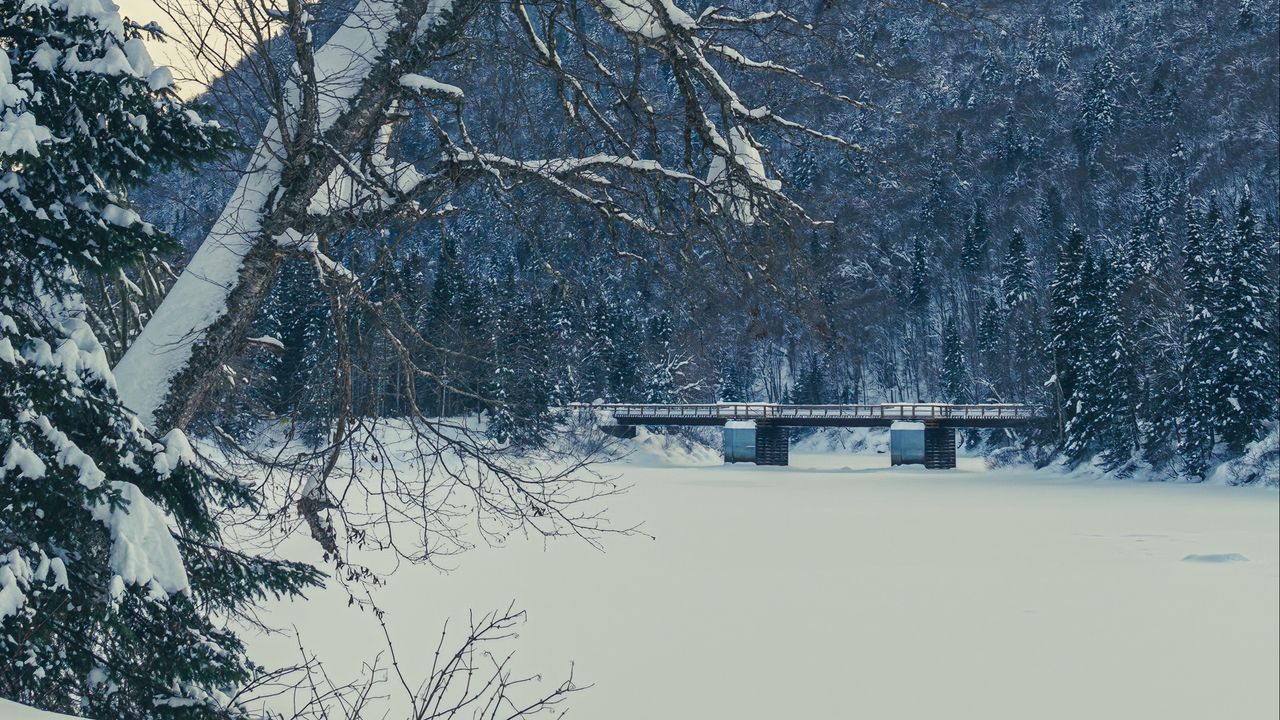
(1069, 204)
(266, 351)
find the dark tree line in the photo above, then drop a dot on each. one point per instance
(1020, 225)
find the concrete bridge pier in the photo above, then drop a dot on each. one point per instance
(939, 446)
(773, 444)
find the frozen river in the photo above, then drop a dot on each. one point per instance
(838, 588)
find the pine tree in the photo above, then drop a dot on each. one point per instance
(660, 371)
(1246, 16)
(1098, 107)
(1246, 378)
(1147, 245)
(520, 389)
(1114, 370)
(1197, 386)
(1068, 323)
(1101, 400)
(920, 287)
(973, 250)
(955, 380)
(811, 387)
(1016, 280)
(616, 350)
(1088, 411)
(990, 327)
(107, 612)
(456, 327)
(733, 380)
(1144, 283)
(297, 315)
(1049, 217)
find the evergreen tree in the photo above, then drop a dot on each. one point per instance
(1102, 419)
(660, 372)
(1197, 386)
(811, 387)
(1115, 390)
(990, 328)
(919, 289)
(297, 315)
(1016, 281)
(1246, 378)
(955, 380)
(733, 380)
(1147, 244)
(1097, 107)
(1068, 322)
(456, 327)
(616, 351)
(1246, 16)
(1049, 217)
(520, 389)
(1086, 401)
(973, 250)
(111, 568)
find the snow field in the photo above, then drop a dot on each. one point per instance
(839, 588)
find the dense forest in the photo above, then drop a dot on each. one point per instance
(1067, 204)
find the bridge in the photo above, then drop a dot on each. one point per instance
(767, 424)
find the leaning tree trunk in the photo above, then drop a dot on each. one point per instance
(348, 92)
(341, 103)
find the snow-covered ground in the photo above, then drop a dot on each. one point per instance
(841, 588)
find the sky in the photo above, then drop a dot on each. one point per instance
(171, 53)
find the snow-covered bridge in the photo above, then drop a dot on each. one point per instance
(768, 423)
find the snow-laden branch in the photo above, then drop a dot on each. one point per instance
(326, 164)
(200, 298)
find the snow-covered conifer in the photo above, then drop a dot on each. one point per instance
(1068, 322)
(1246, 375)
(1016, 280)
(111, 568)
(955, 374)
(920, 287)
(973, 250)
(1197, 390)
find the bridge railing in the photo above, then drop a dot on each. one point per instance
(762, 411)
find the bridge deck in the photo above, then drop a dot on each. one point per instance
(939, 414)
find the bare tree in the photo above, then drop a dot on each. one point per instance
(327, 163)
(470, 678)
(330, 163)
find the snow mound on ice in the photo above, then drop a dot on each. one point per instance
(649, 449)
(1216, 558)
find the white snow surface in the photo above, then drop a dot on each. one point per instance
(841, 588)
(10, 710)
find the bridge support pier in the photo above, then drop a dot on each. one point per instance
(939, 446)
(773, 444)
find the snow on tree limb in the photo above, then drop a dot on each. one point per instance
(326, 165)
(199, 298)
